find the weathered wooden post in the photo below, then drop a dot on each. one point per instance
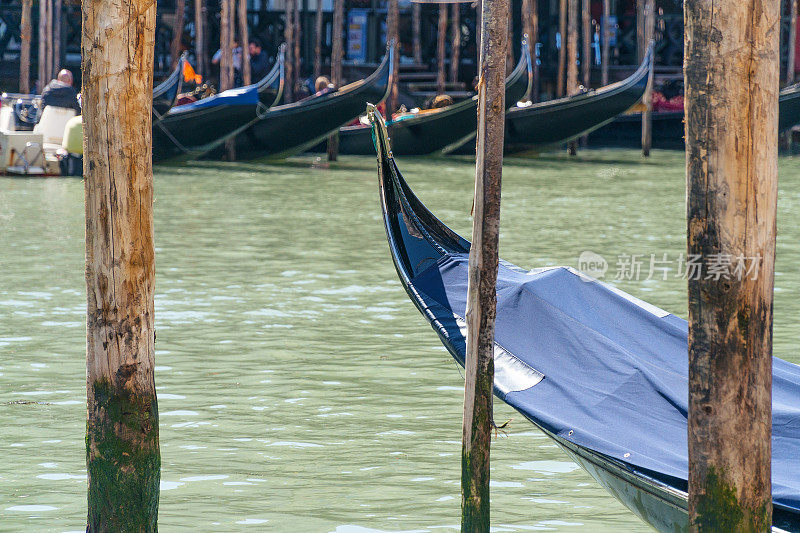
(572, 59)
(25, 48)
(226, 46)
(44, 43)
(177, 31)
(483, 263)
(393, 36)
(530, 27)
(244, 41)
(562, 51)
(201, 57)
(49, 27)
(288, 37)
(586, 44)
(56, 46)
(455, 42)
(416, 30)
(298, 39)
(318, 40)
(122, 449)
(790, 57)
(606, 37)
(337, 53)
(647, 98)
(441, 35)
(731, 78)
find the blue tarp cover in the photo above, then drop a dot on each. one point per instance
(615, 368)
(241, 96)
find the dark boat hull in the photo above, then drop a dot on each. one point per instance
(417, 241)
(625, 131)
(434, 131)
(292, 128)
(543, 125)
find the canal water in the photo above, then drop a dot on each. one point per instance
(299, 389)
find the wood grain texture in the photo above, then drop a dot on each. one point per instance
(25, 48)
(244, 40)
(731, 79)
(606, 42)
(200, 53)
(318, 40)
(562, 51)
(441, 36)
(483, 264)
(647, 98)
(122, 449)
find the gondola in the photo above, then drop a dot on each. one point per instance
(194, 129)
(668, 127)
(166, 92)
(545, 124)
(292, 128)
(602, 373)
(432, 131)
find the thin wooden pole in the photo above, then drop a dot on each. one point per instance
(483, 263)
(732, 178)
(606, 36)
(298, 37)
(790, 57)
(201, 57)
(647, 98)
(337, 54)
(177, 31)
(49, 49)
(41, 52)
(528, 7)
(56, 45)
(640, 24)
(440, 48)
(509, 47)
(318, 40)
(572, 59)
(534, 42)
(122, 449)
(586, 42)
(244, 41)
(25, 48)
(288, 37)
(393, 36)
(562, 52)
(416, 30)
(226, 45)
(455, 42)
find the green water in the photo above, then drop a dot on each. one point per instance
(299, 389)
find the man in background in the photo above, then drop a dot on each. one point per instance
(259, 62)
(60, 92)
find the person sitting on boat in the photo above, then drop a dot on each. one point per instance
(237, 62)
(322, 85)
(60, 92)
(259, 61)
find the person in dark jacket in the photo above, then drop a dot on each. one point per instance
(60, 92)
(259, 62)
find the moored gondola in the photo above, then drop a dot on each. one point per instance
(194, 129)
(428, 132)
(292, 128)
(166, 93)
(625, 131)
(602, 373)
(545, 124)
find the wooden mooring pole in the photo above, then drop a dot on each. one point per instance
(244, 40)
(177, 31)
(647, 98)
(298, 39)
(318, 40)
(416, 30)
(393, 36)
(455, 42)
(441, 36)
(731, 79)
(483, 263)
(572, 60)
(337, 54)
(25, 48)
(288, 37)
(562, 51)
(122, 448)
(790, 56)
(56, 46)
(201, 57)
(41, 51)
(606, 38)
